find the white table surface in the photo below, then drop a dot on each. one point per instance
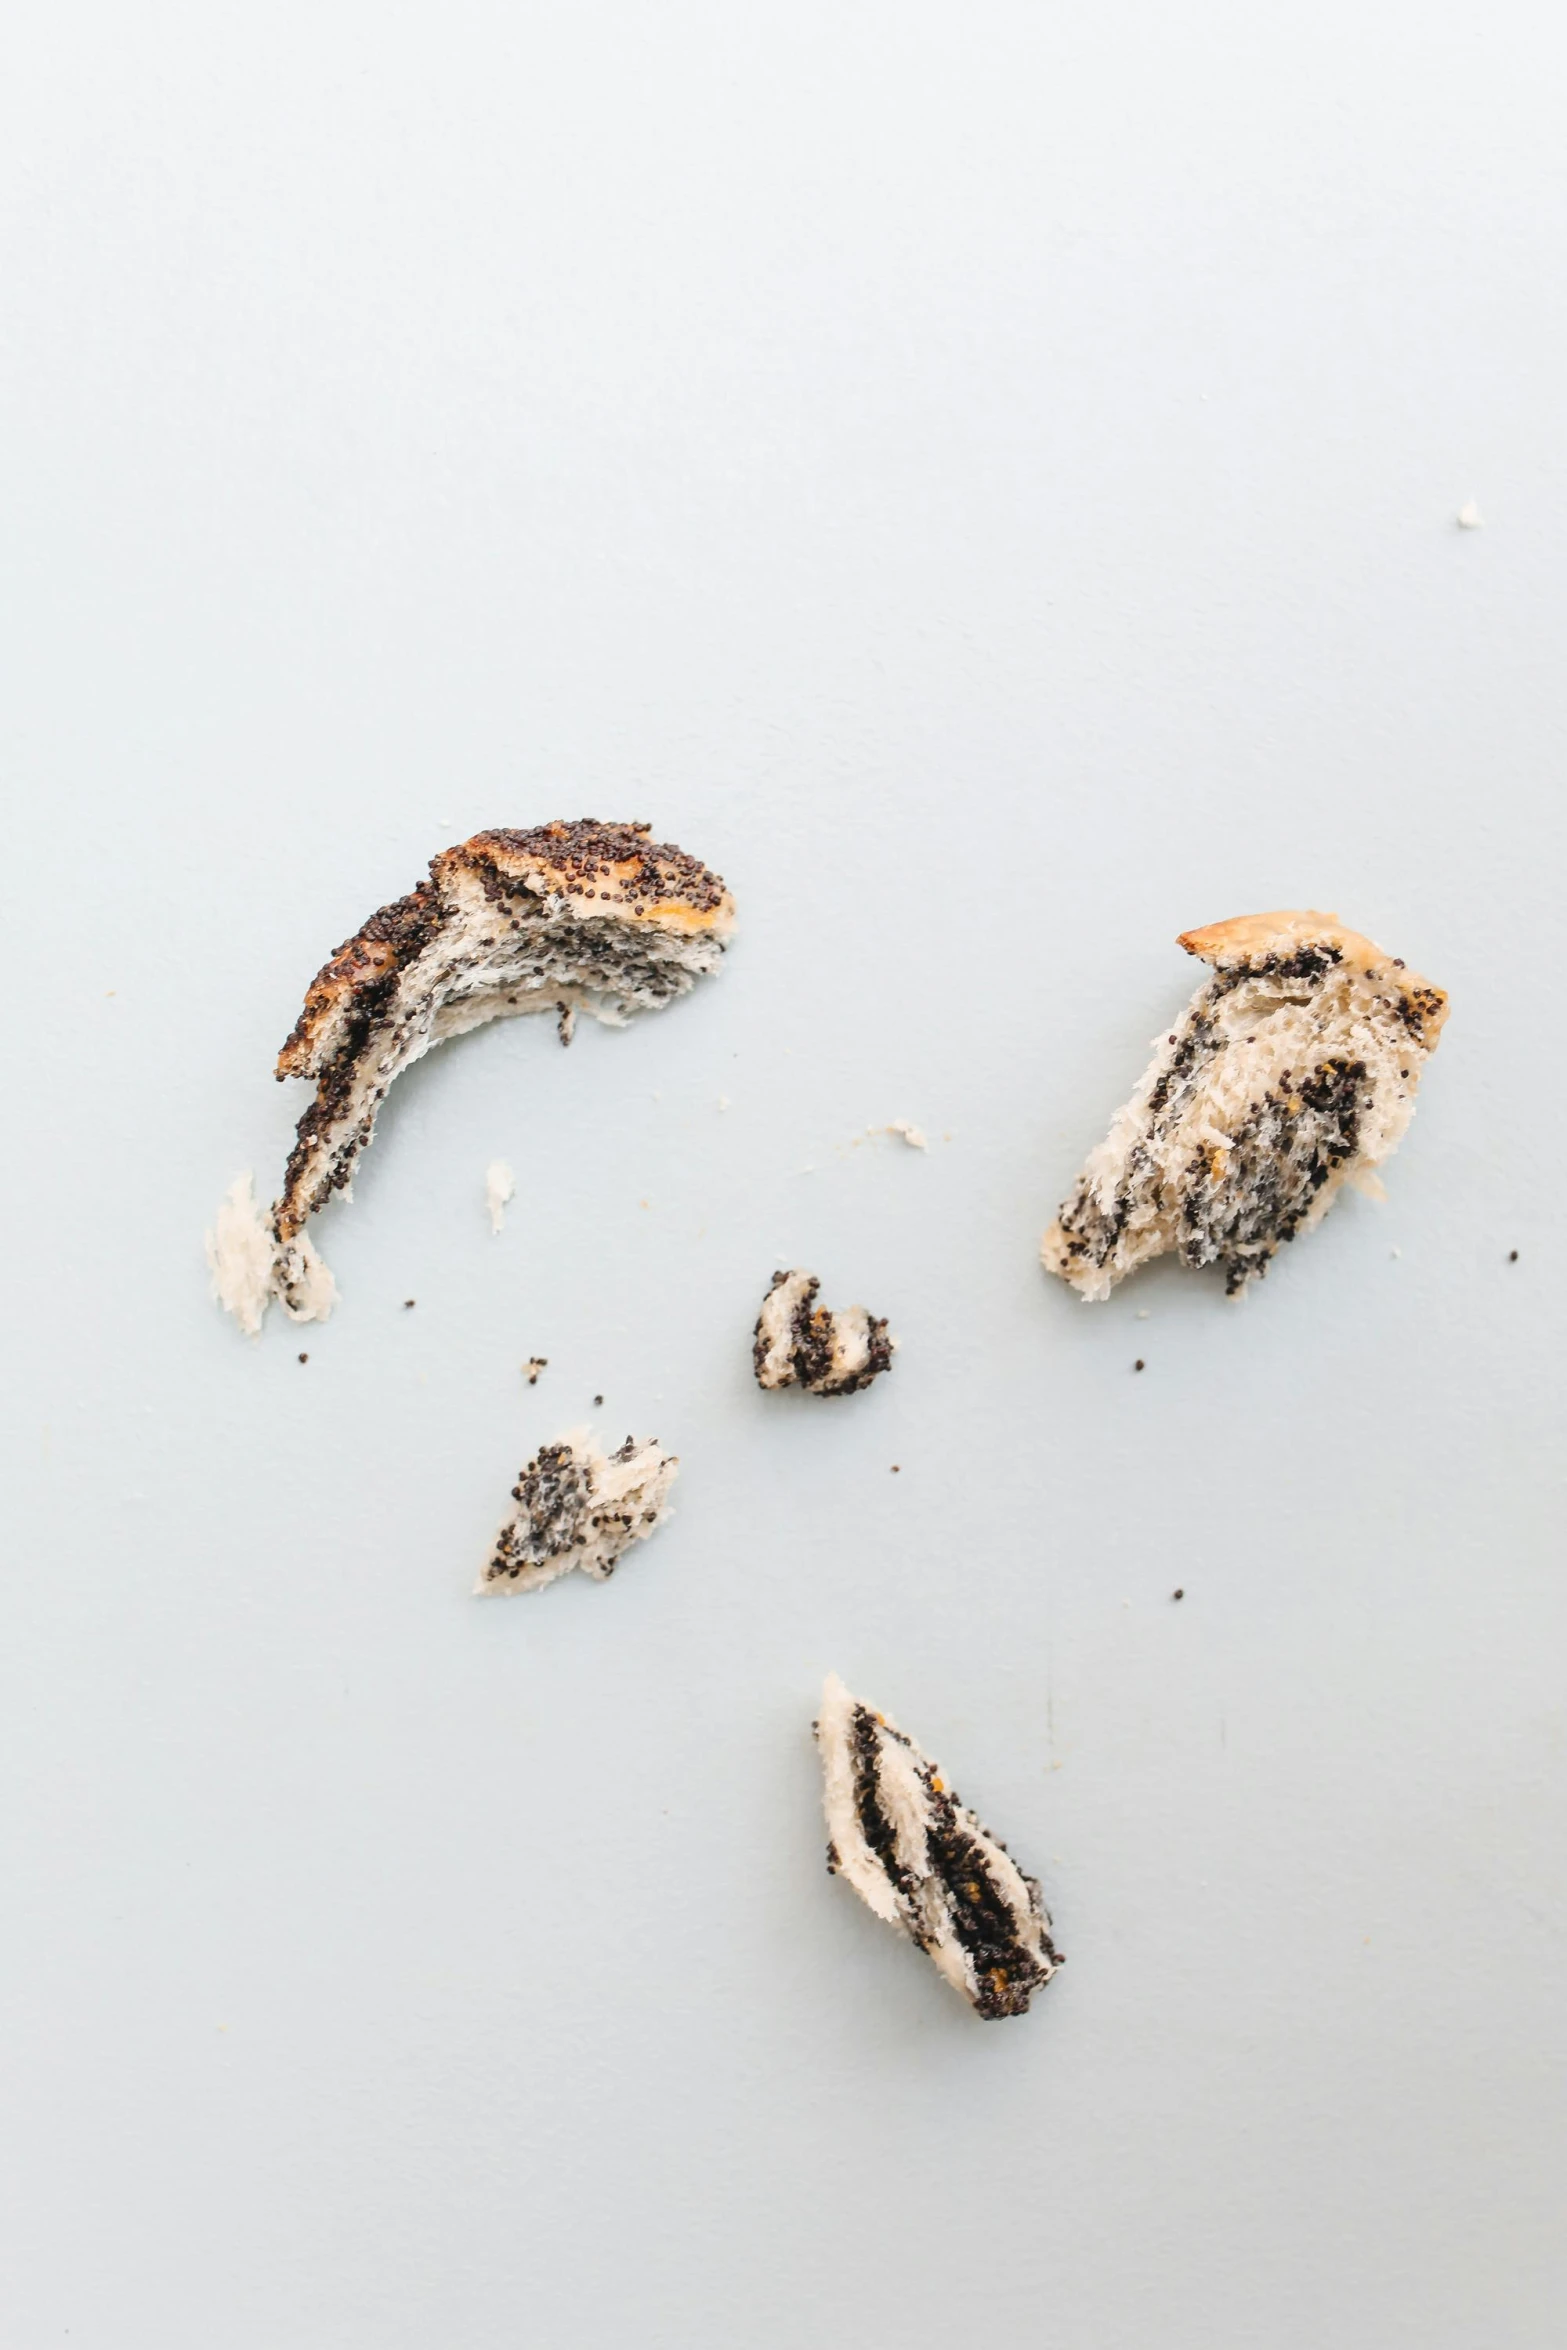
(986, 481)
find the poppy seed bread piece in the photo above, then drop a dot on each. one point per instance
(576, 1507)
(922, 1861)
(589, 917)
(1291, 1072)
(798, 1343)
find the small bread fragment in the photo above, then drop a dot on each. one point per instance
(800, 1344)
(584, 916)
(1291, 1072)
(575, 1507)
(500, 1187)
(923, 1862)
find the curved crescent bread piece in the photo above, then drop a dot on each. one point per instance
(1291, 1073)
(917, 1857)
(588, 917)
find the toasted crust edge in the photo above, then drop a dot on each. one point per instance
(614, 870)
(1247, 939)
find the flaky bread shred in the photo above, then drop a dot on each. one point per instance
(576, 1507)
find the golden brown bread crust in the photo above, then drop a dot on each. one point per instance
(603, 870)
(1257, 942)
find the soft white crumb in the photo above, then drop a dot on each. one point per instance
(1393, 1252)
(910, 1134)
(1470, 516)
(1142, 1314)
(723, 1101)
(240, 1249)
(499, 1187)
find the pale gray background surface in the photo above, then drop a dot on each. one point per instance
(985, 479)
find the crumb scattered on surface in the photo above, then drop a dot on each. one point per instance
(1470, 516)
(905, 1132)
(409, 1303)
(1139, 1365)
(895, 1468)
(598, 1399)
(1512, 1256)
(499, 1187)
(533, 1366)
(304, 1358)
(1179, 1592)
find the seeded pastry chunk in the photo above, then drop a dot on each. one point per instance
(921, 1861)
(800, 1344)
(577, 1508)
(585, 917)
(1291, 1072)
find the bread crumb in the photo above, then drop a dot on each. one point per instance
(908, 1133)
(499, 1187)
(240, 1249)
(1139, 1365)
(409, 1303)
(1470, 517)
(723, 1101)
(1512, 1256)
(304, 1358)
(1179, 1592)
(533, 1366)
